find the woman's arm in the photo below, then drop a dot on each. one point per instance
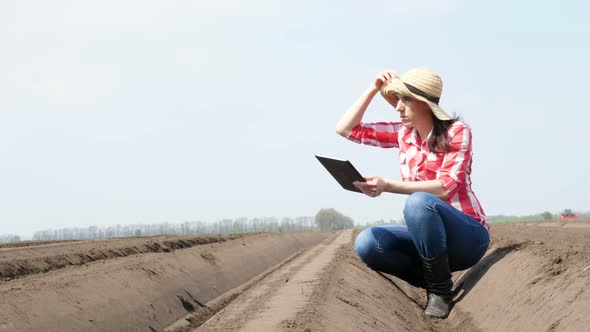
(354, 114)
(376, 185)
(434, 187)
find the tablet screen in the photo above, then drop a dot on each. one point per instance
(343, 171)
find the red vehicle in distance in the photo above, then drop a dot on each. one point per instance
(568, 214)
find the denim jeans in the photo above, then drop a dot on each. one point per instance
(433, 228)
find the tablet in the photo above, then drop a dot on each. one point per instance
(343, 172)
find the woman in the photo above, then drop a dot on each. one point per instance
(446, 226)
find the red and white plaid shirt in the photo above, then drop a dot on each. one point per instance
(418, 163)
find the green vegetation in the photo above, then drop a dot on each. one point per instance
(544, 216)
(532, 217)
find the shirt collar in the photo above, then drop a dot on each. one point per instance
(412, 136)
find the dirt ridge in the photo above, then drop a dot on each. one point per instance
(145, 292)
(32, 243)
(279, 295)
(198, 317)
(20, 267)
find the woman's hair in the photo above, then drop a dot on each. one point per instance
(438, 142)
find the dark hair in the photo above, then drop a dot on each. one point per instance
(438, 142)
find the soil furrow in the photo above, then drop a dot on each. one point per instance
(45, 259)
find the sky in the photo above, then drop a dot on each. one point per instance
(124, 112)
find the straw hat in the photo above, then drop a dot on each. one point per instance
(421, 83)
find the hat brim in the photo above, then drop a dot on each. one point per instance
(396, 86)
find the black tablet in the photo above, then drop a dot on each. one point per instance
(343, 172)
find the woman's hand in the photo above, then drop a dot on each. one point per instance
(384, 77)
(373, 187)
(356, 111)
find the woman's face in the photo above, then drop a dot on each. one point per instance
(412, 111)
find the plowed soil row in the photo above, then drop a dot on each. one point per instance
(276, 300)
(328, 289)
(31, 243)
(32, 258)
(141, 292)
(534, 278)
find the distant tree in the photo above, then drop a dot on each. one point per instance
(330, 219)
(547, 215)
(567, 213)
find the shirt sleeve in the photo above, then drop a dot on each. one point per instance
(381, 134)
(452, 173)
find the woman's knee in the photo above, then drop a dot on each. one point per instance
(365, 245)
(416, 205)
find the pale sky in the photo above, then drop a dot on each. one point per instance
(122, 112)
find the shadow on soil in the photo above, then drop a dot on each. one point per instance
(469, 279)
(475, 273)
(386, 277)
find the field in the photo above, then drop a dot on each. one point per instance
(535, 277)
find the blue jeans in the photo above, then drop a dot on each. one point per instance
(433, 228)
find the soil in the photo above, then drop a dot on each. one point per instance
(534, 277)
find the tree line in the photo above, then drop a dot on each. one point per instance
(324, 220)
(9, 238)
(224, 226)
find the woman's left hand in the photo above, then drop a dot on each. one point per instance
(374, 186)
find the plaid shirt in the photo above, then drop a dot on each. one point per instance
(418, 163)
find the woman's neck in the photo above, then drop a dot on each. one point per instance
(424, 129)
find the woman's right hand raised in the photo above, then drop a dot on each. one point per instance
(355, 112)
(384, 77)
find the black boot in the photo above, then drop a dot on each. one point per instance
(437, 275)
